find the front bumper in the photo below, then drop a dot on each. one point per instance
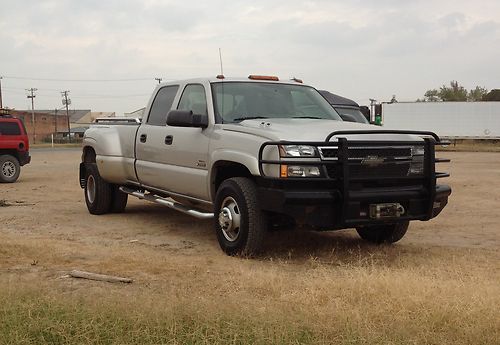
(328, 208)
(358, 177)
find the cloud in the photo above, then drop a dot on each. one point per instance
(359, 48)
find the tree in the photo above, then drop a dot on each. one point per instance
(431, 96)
(477, 94)
(455, 93)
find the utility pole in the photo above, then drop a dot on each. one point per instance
(33, 123)
(159, 80)
(66, 101)
(55, 121)
(1, 103)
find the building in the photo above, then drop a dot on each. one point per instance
(49, 122)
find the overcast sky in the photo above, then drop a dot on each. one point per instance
(108, 52)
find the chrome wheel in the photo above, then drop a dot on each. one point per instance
(91, 189)
(8, 169)
(229, 219)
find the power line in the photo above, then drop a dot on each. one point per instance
(81, 80)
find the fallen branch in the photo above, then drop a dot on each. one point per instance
(101, 277)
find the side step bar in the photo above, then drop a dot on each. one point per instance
(169, 203)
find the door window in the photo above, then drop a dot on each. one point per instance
(162, 105)
(194, 99)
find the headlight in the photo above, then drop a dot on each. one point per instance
(297, 151)
(417, 151)
(417, 162)
(299, 171)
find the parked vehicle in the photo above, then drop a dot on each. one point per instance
(258, 152)
(347, 108)
(14, 147)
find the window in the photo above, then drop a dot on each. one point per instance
(194, 99)
(162, 105)
(9, 128)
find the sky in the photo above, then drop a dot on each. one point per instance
(107, 53)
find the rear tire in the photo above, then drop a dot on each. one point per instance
(385, 233)
(98, 192)
(240, 224)
(9, 169)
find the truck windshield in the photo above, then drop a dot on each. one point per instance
(238, 101)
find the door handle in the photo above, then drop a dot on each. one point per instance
(169, 139)
(143, 138)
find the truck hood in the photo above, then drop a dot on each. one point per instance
(310, 130)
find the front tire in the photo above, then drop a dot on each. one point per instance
(9, 169)
(240, 224)
(98, 192)
(385, 233)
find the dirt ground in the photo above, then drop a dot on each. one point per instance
(47, 203)
(439, 284)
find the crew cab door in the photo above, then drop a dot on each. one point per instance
(174, 159)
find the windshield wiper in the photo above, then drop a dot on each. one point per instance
(250, 118)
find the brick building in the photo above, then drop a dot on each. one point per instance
(48, 122)
(45, 124)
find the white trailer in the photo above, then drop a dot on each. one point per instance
(475, 120)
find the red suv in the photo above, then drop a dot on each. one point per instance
(14, 147)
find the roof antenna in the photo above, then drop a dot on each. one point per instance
(221, 75)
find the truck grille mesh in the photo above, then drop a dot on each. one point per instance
(361, 163)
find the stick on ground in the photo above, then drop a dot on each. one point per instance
(101, 277)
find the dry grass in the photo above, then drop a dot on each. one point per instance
(352, 294)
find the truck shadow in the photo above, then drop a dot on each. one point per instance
(290, 245)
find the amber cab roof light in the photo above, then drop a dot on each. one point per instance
(220, 76)
(297, 80)
(263, 77)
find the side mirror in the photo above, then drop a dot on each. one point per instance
(348, 118)
(186, 118)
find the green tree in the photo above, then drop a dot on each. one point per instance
(477, 94)
(431, 96)
(455, 93)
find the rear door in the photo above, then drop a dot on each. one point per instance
(150, 140)
(175, 158)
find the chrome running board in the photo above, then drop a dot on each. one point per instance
(169, 203)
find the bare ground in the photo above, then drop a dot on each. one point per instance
(45, 231)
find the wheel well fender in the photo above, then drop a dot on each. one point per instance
(222, 170)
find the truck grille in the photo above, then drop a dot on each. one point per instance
(370, 162)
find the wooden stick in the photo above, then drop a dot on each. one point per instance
(101, 277)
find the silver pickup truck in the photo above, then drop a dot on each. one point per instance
(257, 152)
